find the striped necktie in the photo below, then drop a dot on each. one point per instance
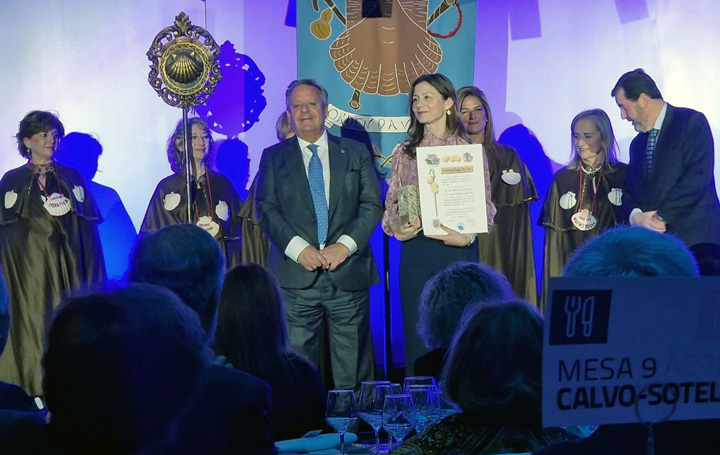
(317, 190)
(651, 140)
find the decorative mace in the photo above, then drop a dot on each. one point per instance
(184, 72)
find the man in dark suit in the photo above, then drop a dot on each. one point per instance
(318, 202)
(229, 412)
(670, 185)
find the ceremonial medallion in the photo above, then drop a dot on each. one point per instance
(56, 204)
(584, 220)
(209, 225)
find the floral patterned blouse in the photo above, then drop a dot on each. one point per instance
(471, 435)
(404, 172)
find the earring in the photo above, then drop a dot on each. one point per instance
(447, 112)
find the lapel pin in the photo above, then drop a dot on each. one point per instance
(342, 150)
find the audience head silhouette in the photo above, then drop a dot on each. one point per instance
(119, 367)
(450, 292)
(251, 331)
(494, 364)
(632, 252)
(187, 260)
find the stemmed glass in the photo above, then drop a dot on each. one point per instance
(397, 416)
(370, 406)
(426, 405)
(341, 412)
(419, 380)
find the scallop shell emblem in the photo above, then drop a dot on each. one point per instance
(10, 199)
(184, 66)
(209, 225)
(222, 210)
(568, 200)
(79, 193)
(57, 204)
(171, 201)
(615, 196)
(510, 177)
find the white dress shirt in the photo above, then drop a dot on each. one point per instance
(298, 244)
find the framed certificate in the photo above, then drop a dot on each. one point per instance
(451, 180)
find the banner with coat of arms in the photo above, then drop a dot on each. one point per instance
(368, 53)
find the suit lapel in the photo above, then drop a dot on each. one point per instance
(295, 166)
(338, 169)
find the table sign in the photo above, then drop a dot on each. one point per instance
(620, 350)
(451, 180)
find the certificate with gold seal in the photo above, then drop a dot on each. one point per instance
(451, 180)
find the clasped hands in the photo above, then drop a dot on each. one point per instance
(329, 258)
(408, 231)
(648, 220)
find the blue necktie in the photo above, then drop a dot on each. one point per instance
(651, 140)
(317, 190)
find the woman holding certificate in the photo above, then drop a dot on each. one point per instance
(585, 195)
(434, 121)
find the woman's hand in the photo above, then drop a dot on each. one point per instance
(454, 238)
(406, 231)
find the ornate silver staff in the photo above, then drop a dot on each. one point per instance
(184, 72)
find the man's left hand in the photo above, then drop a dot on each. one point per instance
(335, 255)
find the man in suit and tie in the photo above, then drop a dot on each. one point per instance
(318, 202)
(670, 185)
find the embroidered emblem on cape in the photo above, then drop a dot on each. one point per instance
(171, 201)
(568, 200)
(222, 210)
(79, 193)
(615, 196)
(10, 199)
(510, 177)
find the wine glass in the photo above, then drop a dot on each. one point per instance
(419, 380)
(397, 416)
(426, 405)
(370, 406)
(341, 412)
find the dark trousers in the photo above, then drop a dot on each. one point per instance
(347, 314)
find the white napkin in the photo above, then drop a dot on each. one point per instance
(320, 442)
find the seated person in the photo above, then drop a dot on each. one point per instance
(229, 412)
(119, 369)
(443, 301)
(638, 252)
(252, 335)
(493, 374)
